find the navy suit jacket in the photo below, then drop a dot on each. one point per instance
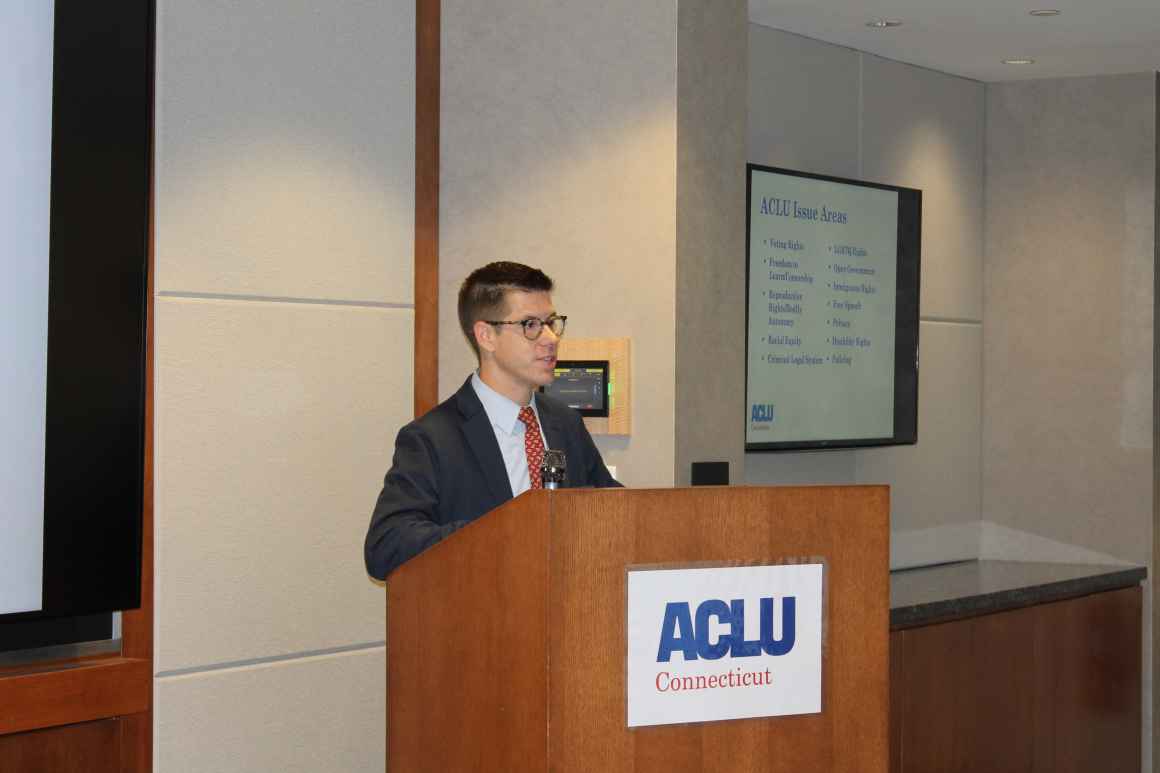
(448, 471)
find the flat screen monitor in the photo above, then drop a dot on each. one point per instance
(583, 385)
(832, 287)
(75, 170)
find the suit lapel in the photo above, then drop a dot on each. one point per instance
(550, 420)
(481, 438)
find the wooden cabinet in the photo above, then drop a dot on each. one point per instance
(90, 747)
(1050, 688)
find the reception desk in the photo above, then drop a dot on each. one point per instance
(1000, 665)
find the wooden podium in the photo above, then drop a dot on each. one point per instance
(506, 642)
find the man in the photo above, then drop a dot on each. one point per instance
(471, 453)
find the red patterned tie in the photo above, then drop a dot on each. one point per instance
(533, 445)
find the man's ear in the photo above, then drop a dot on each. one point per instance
(484, 336)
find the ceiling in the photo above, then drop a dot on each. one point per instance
(971, 38)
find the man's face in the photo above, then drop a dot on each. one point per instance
(517, 365)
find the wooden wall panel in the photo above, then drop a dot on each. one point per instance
(897, 657)
(978, 674)
(77, 691)
(618, 353)
(91, 747)
(1089, 671)
(1053, 688)
(1001, 670)
(427, 65)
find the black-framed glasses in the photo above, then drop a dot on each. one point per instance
(534, 326)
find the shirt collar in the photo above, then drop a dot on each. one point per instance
(504, 414)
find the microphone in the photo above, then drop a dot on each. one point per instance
(552, 469)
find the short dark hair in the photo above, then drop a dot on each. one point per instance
(482, 295)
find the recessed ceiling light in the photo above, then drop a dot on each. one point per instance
(1018, 61)
(881, 24)
(1045, 12)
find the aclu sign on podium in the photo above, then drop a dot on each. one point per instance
(724, 643)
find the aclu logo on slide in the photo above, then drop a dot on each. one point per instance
(697, 636)
(761, 415)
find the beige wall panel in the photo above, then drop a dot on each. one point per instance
(275, 424)
(803, 114)
(285, 148)
(1068, 337)
(1003, 544)
(711, 121)
(791, 469)
(305, 715)
(1067, 402)
(935, 483)
(935, 544)
(803, 103)
(854, 115)
(559, 150)
(924, 129)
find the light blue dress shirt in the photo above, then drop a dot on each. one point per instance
(504, 416)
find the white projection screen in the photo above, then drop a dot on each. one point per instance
(26, 156)
(26, 29)
(76, 102)
(832, 281)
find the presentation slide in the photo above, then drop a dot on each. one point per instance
(25, 170)
(822, 279)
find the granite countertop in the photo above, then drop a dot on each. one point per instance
(937, 594)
